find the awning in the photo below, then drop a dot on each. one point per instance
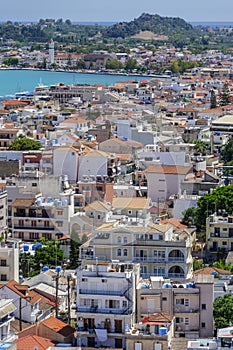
(7, 309)
(102, 334)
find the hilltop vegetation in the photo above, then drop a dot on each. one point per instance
(146, 22)
(86, 38)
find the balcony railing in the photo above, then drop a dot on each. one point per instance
(92, 330)
(175, 275)
(102, 292)
(176, 259)
(149, 259)
(34, 228)
(97, 310)
(184, 310)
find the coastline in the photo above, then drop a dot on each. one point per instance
(84, 71)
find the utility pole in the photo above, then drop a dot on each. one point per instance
(57, 279)
(68, 295)
(20, 313)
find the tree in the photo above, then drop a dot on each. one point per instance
(74, 250)
(219, 198)
(223, 311)
(75, 243)
(225, 96)
(49, 254)
(200, 146)
(23, 143)
(213, 100)
(11, 61)
(114, 64)
(227, 151)
(130, 65)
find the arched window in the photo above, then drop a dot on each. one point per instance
(125, 252)
(118, 252)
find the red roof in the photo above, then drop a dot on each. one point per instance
(58, 326)
(31, 342)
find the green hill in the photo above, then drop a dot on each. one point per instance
(146, 22)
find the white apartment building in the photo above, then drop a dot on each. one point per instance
(9, 261)
(105, 303)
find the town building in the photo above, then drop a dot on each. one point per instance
(191, 303)
(105, 303)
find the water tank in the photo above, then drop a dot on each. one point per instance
(162, 331)
(38, 201)
(34, 246)
(45, 268)
(20, 277)
(89, 137)
(39, 245)
(125, 138)
(58, 269)
(166, 285)
(26, 248)
(56, 201)
(144, 286)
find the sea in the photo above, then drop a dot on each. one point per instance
(13, 81)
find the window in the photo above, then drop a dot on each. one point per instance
(3, 277)
(179, 320)
(84, 279)
(203, 306)
(124, 303)
(129, 212)
(119, 239)
(118, 252)
(186, 321)
(112, 304)
(60, 212)
(224, 243)
(59, 223)
(3, 262)
(161, 180)
(125, 252)
(138, 346)
(34, 184)
(125, 240)
(164, 298)
(203, 325)
(217, 231)
(224, 229)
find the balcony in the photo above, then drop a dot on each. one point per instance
(186, 310)
(96, 310)
(102, 292)
(175, 275)
(30, 216)
(176, 259)
(92, 330)
(149, 259)
(34, 228)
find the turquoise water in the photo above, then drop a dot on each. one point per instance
(12, 81)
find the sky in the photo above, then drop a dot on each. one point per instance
(115, 11)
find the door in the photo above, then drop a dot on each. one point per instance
(118, 326)
(118, 343)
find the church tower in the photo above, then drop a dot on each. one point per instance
(51, 52)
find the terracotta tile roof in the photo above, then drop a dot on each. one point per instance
(58, 326)
(20, 289)
(160, 318)
(169, 169)
(130, 203)
(23, 202)
(176, 223)
(211, 271)
(31, 342)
